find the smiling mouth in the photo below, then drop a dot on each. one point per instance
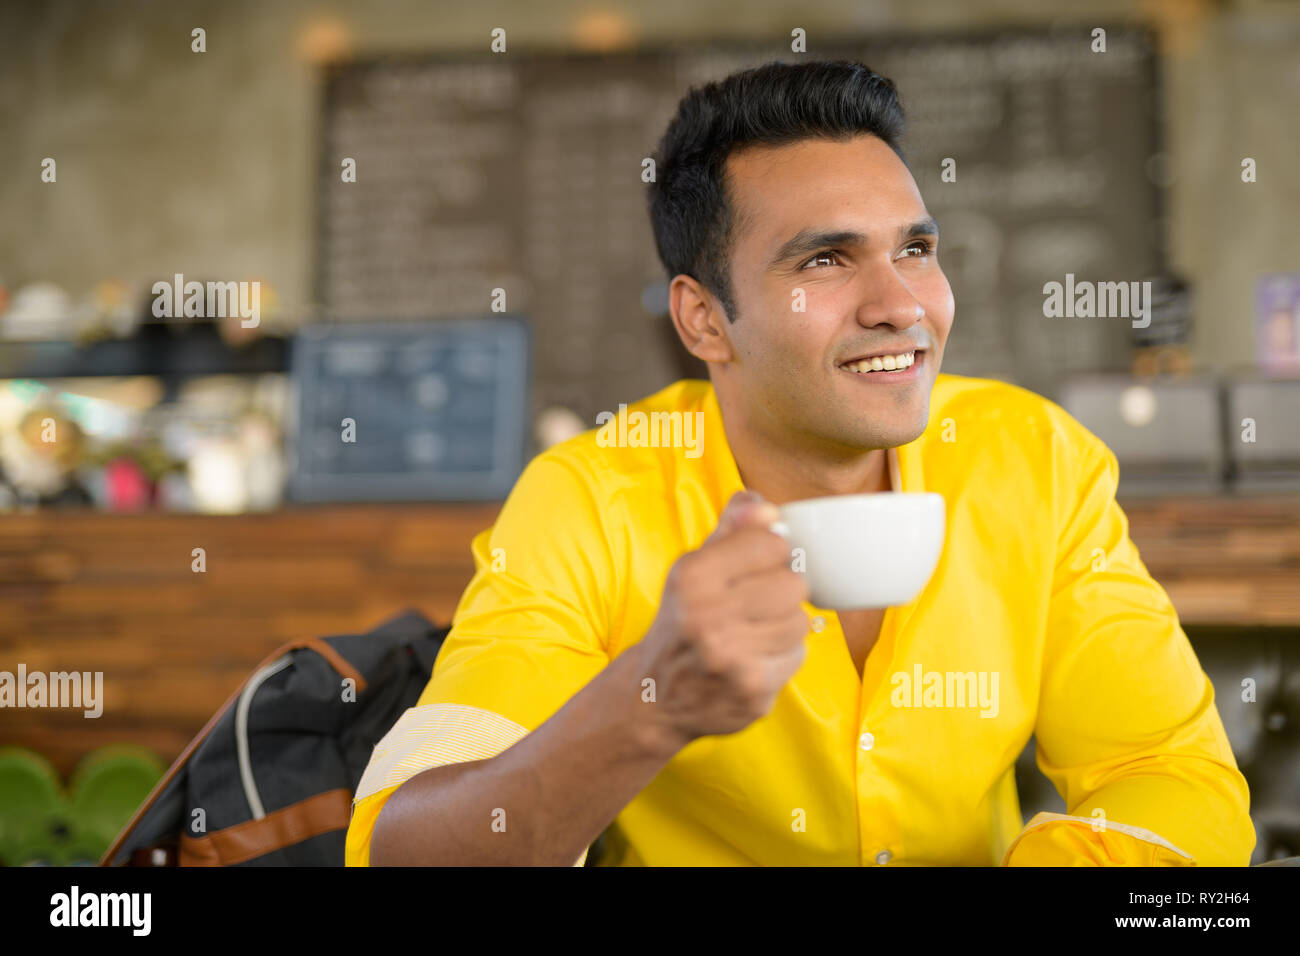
(884, 364)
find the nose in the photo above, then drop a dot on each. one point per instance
(886, 300)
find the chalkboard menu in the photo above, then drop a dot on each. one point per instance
(423, 411)
(522, 173)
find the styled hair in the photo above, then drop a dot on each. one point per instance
(776, 104)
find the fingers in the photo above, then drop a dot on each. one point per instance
(773, 595)
(745, 552)
(742, 543)
(782, 667)
(778, 637)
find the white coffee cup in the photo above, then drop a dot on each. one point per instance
(864, 551)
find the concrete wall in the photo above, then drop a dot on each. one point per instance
(171, 161)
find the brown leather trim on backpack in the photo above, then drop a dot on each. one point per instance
(323, 813)
(336, 660)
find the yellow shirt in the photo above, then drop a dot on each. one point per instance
(1039, 600)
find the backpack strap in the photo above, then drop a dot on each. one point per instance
(322, 813)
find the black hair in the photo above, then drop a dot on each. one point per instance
(772, 105)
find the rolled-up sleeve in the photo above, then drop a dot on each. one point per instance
(1127, 728)
(530, 631)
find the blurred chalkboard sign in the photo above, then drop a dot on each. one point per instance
(479, 172)
(410, 411)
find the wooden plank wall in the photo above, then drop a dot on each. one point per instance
(115, 593)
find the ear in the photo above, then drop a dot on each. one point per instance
(699, 320)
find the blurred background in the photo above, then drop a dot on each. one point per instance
(428, 220)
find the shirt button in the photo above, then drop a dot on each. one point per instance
(866, 741)
(883, 857)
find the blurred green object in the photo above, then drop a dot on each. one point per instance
(107, 787)
(81, 849)
(34, 849)
(39, 826)
(32, 808)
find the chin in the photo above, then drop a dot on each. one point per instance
(873, 439)
(911, 435)
(901, 432)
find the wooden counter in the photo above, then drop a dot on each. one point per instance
(115, 593)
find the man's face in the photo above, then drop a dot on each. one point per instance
(840, 230)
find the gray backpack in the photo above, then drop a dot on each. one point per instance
(269, 780)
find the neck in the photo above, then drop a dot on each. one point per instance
(783, 471)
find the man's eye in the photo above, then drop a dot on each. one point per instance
(924, 246)
(821, 255)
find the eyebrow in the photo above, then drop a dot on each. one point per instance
(808, 241)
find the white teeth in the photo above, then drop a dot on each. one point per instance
(884, 363)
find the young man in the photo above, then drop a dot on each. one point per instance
(636, 656)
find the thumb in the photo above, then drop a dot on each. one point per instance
(745, 508)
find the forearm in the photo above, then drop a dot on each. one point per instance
(544, 800)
